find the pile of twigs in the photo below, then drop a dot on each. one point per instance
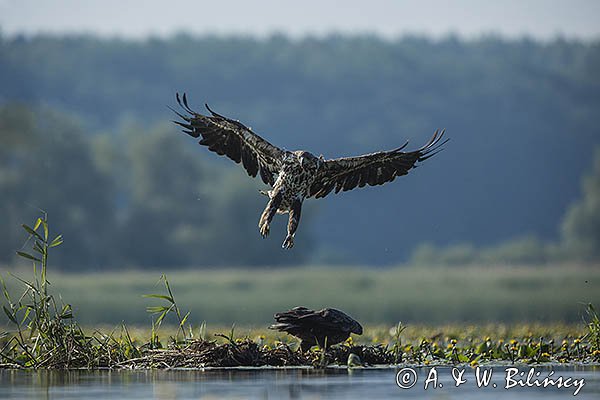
(247, 353)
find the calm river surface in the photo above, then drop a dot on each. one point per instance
(295, 384)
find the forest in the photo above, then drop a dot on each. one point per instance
(86, 137)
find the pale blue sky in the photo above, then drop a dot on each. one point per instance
(542, 19)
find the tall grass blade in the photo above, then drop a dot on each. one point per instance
(28, 256)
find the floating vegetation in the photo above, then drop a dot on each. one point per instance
(45, 334)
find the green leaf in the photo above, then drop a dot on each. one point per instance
(543, 359)
(28, 256)
(161, 317)
(24, 282)
(45, 225)
(439, 353)
(37, 224)
(4, 289)
(66, 312)
(38, 246)
(482, 348)
(157, 309)
(184, 319)
(10, 315)
(32, 232)
(525, 351)
(159, 296)
(57, 241)
(27, 312)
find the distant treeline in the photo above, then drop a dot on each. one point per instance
(85, 136)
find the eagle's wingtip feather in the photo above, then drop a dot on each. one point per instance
(183, 103)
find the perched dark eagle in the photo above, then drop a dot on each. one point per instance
(325, 327)
(297, 175)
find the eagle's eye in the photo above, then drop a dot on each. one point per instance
(358, 329)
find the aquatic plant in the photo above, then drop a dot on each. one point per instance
(45, 335)
(593, 325)
(163, 311)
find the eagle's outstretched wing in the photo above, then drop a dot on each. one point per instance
(228, 137)
(302, 319)
(371, 169)
(330, 319)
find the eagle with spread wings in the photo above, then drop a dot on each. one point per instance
(297, 175)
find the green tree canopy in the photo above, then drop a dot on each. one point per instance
(46, 163)
(140, 198)
(522, 116)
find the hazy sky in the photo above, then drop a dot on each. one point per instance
(543, 19)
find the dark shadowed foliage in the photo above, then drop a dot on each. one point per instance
(46, 162)
(581, 226)
(138, 199)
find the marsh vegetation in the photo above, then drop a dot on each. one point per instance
(43, 332)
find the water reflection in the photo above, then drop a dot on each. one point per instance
(269, 384)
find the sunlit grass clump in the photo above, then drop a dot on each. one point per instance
(43, 333)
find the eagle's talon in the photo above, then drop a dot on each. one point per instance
(288, 243)
(264, 230)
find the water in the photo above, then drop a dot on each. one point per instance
(283, 384)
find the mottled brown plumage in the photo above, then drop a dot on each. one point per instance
(325, 327)
(297, 175)
(343, 174)
(227, 137)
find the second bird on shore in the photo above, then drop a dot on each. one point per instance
(325, 327)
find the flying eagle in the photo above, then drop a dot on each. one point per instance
(325, 327)
(297, 175)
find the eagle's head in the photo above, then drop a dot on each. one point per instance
(308, 161)
(356, 328)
